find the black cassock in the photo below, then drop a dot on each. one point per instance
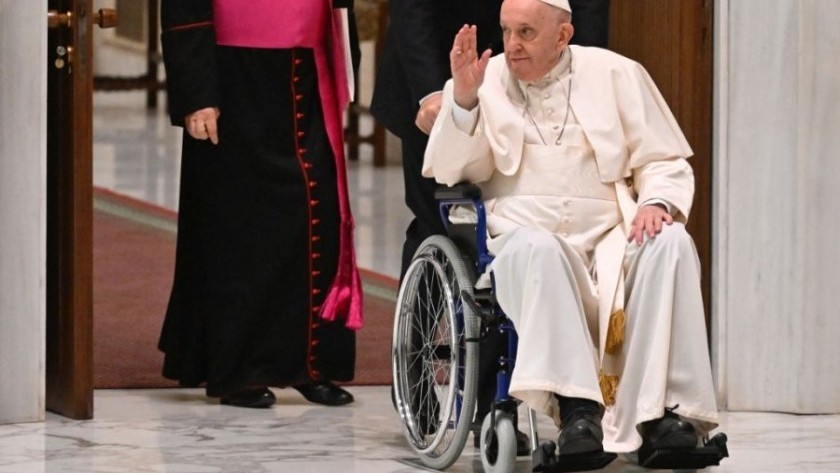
(258, 222)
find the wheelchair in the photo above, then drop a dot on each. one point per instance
(441, 316)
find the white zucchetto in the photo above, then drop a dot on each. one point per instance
(561, 4)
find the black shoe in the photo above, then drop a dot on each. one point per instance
(668, 432)
(582, 432)
(583, 435)
(523, 443)
(259, 397)
(324, 393)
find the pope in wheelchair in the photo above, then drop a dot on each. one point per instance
(585, 190)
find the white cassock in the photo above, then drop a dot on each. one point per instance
(559, 201)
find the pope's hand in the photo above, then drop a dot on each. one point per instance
(648, 220)
(201, 124)
(429, 109)
(467, 67)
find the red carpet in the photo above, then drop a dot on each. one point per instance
(134, 257)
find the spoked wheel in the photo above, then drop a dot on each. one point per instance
(435, 369)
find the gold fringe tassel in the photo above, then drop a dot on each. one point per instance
(609, 387)
(615, 333)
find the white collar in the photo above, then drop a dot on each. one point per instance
(559, 71)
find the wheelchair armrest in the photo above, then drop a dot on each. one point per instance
(464, 190)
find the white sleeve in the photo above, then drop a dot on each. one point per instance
(664, 202)
(465, 120)
(457, 151)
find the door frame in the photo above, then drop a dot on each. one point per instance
(69, 287)
(23, 114)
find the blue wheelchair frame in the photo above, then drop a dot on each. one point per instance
(470, 195)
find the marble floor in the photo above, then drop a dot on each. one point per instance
(180, 431)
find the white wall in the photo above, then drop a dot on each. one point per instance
(23, 86)
(777, 255)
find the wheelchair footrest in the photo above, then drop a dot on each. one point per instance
(710, 454)
(544, 460)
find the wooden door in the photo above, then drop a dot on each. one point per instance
(69, 370)
(673, 40)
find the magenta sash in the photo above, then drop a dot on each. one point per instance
(286, 24)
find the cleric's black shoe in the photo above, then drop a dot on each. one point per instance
(324, 393)
(668, 432)
(256, 397)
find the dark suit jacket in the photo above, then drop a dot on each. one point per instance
(591, 21)
(415, 56)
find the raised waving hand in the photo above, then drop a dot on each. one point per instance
(467, 67)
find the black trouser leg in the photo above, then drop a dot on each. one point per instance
(419, 197)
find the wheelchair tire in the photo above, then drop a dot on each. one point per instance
(435, 369)
(498, 454)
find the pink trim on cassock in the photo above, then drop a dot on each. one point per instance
(312, 24)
